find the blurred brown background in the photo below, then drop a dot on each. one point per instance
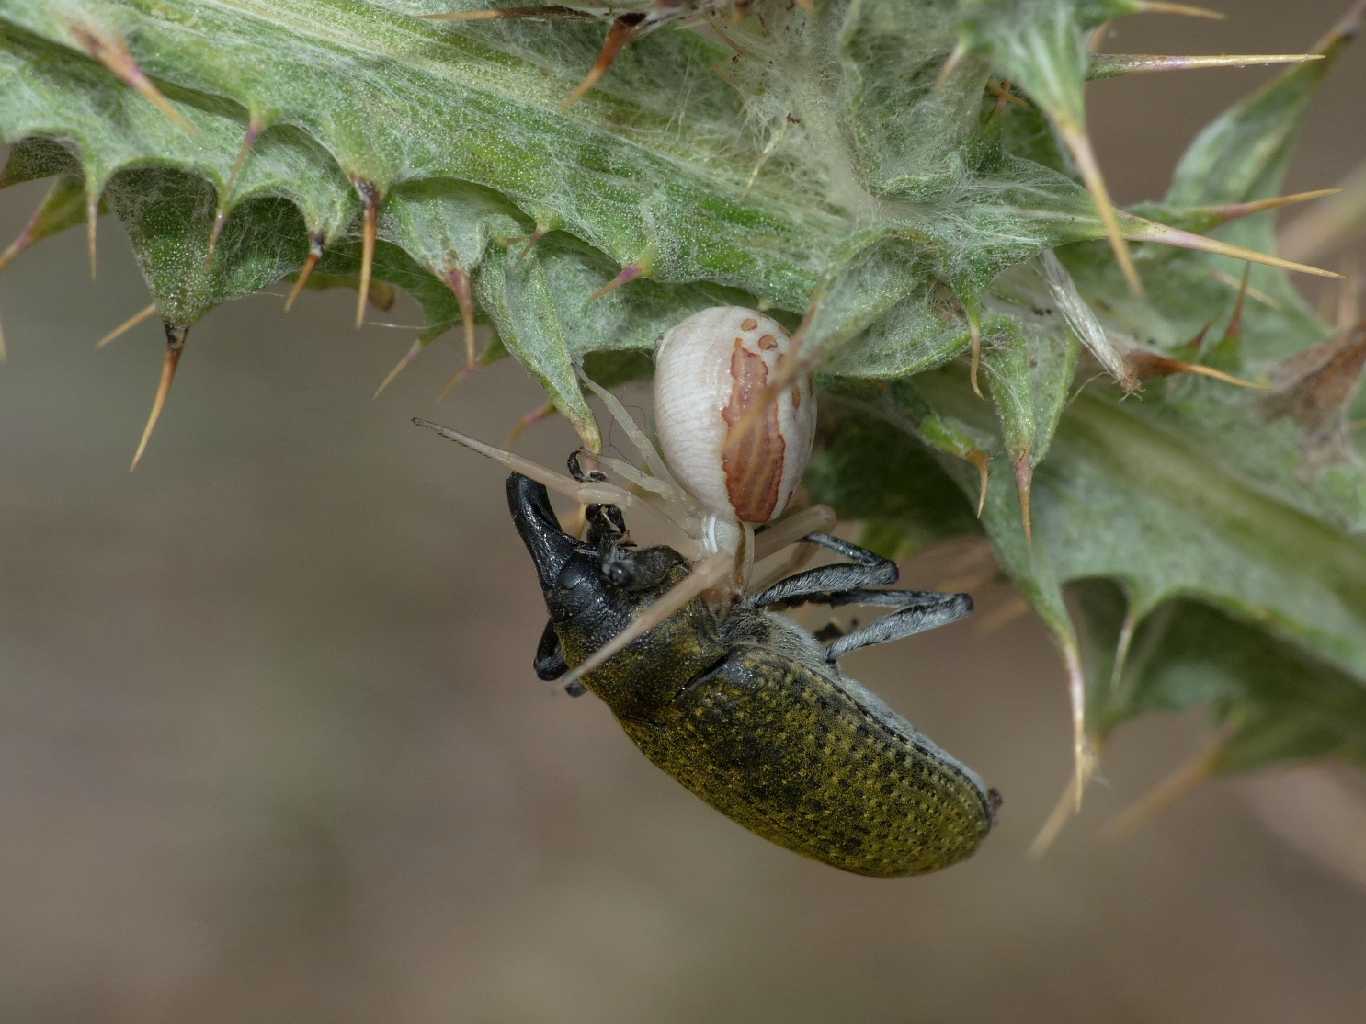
(271, 748)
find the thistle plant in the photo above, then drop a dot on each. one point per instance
(1133, 406)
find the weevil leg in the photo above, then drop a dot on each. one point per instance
(549, 662)
(921, 612)
(780, 567)
(864, 569)
(653, 460)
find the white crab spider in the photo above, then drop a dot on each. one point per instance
(728, 466)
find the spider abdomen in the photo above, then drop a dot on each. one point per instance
(813, 765)
(734, 416)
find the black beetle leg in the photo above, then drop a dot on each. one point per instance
(865, 569)
(550, 664)
(918, 611)
(848, 583)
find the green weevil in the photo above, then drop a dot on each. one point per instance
(738, 703)
(749, 711)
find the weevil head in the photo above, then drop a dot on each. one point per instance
(592, 590)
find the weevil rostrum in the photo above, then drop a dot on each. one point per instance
(741, 705)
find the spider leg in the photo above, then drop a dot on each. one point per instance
(823, 584)
(923, 611)
(794, 526)
(586, 492)
(653, 460)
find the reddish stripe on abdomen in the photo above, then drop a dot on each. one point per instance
(753, 465)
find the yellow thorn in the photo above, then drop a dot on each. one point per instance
(1252, 293)
(1150, 231)
(1080, 144)
(127, 325)
(1185, 10)
(1225, 378)
(459, 282)
(1056, 821)
(1083, 757)
(534, 416)
(463, 16)
(14, 249)
(175, 345)
(112, 51)
(617, 36)
(1114, 65)
(456, 378)
(979, 459)
(301, 279)
(1169, 790)
(399, 367)
(92, 217)
(220, 217)
(1236, 210)
(955, 58)
(975, 332)
(627, 274)
(1146, 365)
(1024, 475)
(369, 229)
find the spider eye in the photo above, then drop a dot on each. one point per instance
(617, 574)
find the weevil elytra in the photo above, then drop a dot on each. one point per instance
(749, 711)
